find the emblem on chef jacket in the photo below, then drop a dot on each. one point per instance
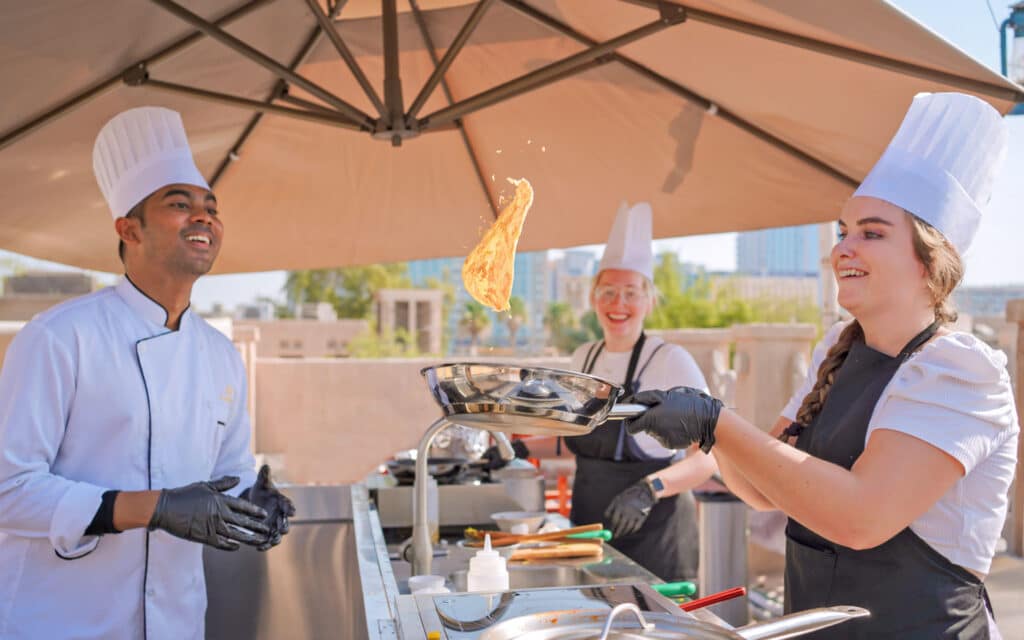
(229, 394)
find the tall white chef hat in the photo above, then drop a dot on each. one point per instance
(140, 151)
(941, 163)
(629, 243)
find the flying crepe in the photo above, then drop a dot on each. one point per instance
(489, 269)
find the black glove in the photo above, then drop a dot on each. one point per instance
(678, 417)
(200, 512)
(629, 510)
(493, 456)
(278, 507)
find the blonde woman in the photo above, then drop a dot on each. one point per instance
(898, 452)
(633, 484)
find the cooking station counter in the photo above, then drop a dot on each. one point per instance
(391, 612)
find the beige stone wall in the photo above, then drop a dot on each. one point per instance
(5, 340)
(331, 420)
(771, 362)
(24, 307)
(1015, 530)
(710, 348)
(303, 338)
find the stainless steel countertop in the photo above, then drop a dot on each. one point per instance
(391, 614)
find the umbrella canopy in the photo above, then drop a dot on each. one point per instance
(361, 132)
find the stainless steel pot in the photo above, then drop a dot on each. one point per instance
(627, 622)
(533, 400)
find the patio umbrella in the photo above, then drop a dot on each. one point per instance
(362, 132)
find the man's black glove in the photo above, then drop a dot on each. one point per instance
(278, 508)
(629, 510)
(493, 456)
(678, 417)
(201, 512)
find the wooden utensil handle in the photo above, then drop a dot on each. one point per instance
(507, 537)
(573, 550)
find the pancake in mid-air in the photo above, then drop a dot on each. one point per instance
(490, 267)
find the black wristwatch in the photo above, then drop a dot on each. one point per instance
(655, 485)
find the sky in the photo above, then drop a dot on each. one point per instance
(967, 24)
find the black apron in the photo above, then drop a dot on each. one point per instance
(607, 462)
(911, 590)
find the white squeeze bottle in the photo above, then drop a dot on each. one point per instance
(487, 571)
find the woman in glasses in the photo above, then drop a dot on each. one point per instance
(637, 487)
(898, 452)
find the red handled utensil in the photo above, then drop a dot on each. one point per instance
(714, 598)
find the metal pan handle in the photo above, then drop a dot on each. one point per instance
(623, 411)
(796, 624)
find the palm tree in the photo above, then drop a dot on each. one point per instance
(474, 320)
(515, 318)
(559, 322)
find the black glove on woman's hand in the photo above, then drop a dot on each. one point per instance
(629, 510)
(678, 417)
(200, 512)
(277, 505)
(493, 455)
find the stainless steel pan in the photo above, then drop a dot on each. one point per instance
(532, 400)
(627, 622)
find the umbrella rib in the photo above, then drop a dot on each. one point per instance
(392, 80)
(20, 131)
(308, 105)
(322, 116)
(331, 31)
(440, 68)
(473, 158)
(839, 51)
(265, 61)
(688, 94)
(279, 91)
(548, 74)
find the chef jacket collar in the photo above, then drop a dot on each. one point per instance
(147, 307)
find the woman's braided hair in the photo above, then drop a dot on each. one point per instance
(945, 270)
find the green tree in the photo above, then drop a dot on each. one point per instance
(474, 320)
(396, 344)
(592, 325)
(514, 318)
(348, 289)
(562, 328)
(697, 304)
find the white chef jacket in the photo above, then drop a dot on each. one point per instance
(96, 394)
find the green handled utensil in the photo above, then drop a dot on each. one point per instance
(675, 589)
(602, 534)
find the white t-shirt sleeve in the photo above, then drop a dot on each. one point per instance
(820, 351)
(954, 394)
(673, 366)
(578, 356)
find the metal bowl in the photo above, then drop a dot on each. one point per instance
(530, 400)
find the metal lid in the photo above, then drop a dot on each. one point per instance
(624, 622)
(627, 622)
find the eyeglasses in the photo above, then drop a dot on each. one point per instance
(607, 293)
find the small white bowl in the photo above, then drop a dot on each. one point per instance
(531, 520)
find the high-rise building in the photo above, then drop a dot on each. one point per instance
(786, 251)
(571, 277)
(987, 301)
